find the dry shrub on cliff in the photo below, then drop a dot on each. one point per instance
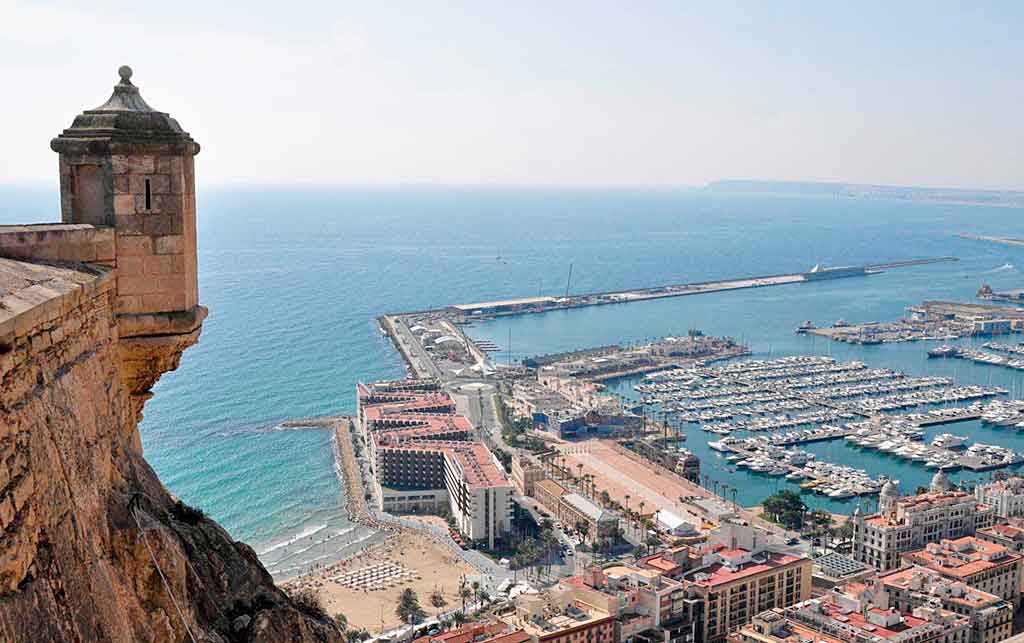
(307, 601)
(186, 514)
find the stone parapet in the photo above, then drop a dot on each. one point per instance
(60, 242)
(33, 297)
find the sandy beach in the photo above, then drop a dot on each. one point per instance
(403, 560)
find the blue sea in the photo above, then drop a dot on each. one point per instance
(293, 279)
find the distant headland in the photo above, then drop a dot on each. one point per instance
(1001, 198)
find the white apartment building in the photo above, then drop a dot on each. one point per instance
(1006, 496)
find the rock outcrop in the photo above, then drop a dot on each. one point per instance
(92, 546)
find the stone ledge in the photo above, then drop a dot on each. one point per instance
(179, 322)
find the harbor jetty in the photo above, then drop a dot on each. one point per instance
(1012, 358)
(545, 303)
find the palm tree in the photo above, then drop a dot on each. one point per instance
(640, 517)
(464, 593)
(583, 527)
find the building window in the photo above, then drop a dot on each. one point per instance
(149, 196)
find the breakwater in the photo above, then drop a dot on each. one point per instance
(546, 303)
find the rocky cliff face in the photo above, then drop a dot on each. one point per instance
(92, 546)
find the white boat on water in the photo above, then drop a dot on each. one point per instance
(842, 492)
(949, 441)
(720, 445)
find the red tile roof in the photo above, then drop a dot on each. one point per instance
(963, 557)
(925, 580)
(719, 574)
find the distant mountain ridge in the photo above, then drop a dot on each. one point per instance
(1005, 198)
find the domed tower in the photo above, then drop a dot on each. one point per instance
(129, 167)
(940, 482)
(889, 495)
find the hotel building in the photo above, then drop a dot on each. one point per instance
(425, 457)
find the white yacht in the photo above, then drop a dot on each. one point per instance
(720, 445)
(949, 441)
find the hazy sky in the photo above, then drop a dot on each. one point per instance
(553, 92)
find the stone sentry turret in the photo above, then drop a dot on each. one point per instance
(93, 310)
(129, 167)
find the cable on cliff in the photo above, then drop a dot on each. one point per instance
(133, 509)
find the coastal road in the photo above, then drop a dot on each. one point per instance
(422, 364)
(475, 400)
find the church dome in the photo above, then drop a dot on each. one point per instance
(940, 482)
(891, 489)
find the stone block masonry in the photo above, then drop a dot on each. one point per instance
(59, 242)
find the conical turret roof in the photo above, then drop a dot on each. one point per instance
(124, 124)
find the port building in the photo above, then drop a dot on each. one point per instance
(504, 307)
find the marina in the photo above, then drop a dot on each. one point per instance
(760, 455)
(766, 415)
(900, 437)
(790, 392)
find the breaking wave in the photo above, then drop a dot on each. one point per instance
(1006, 267)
